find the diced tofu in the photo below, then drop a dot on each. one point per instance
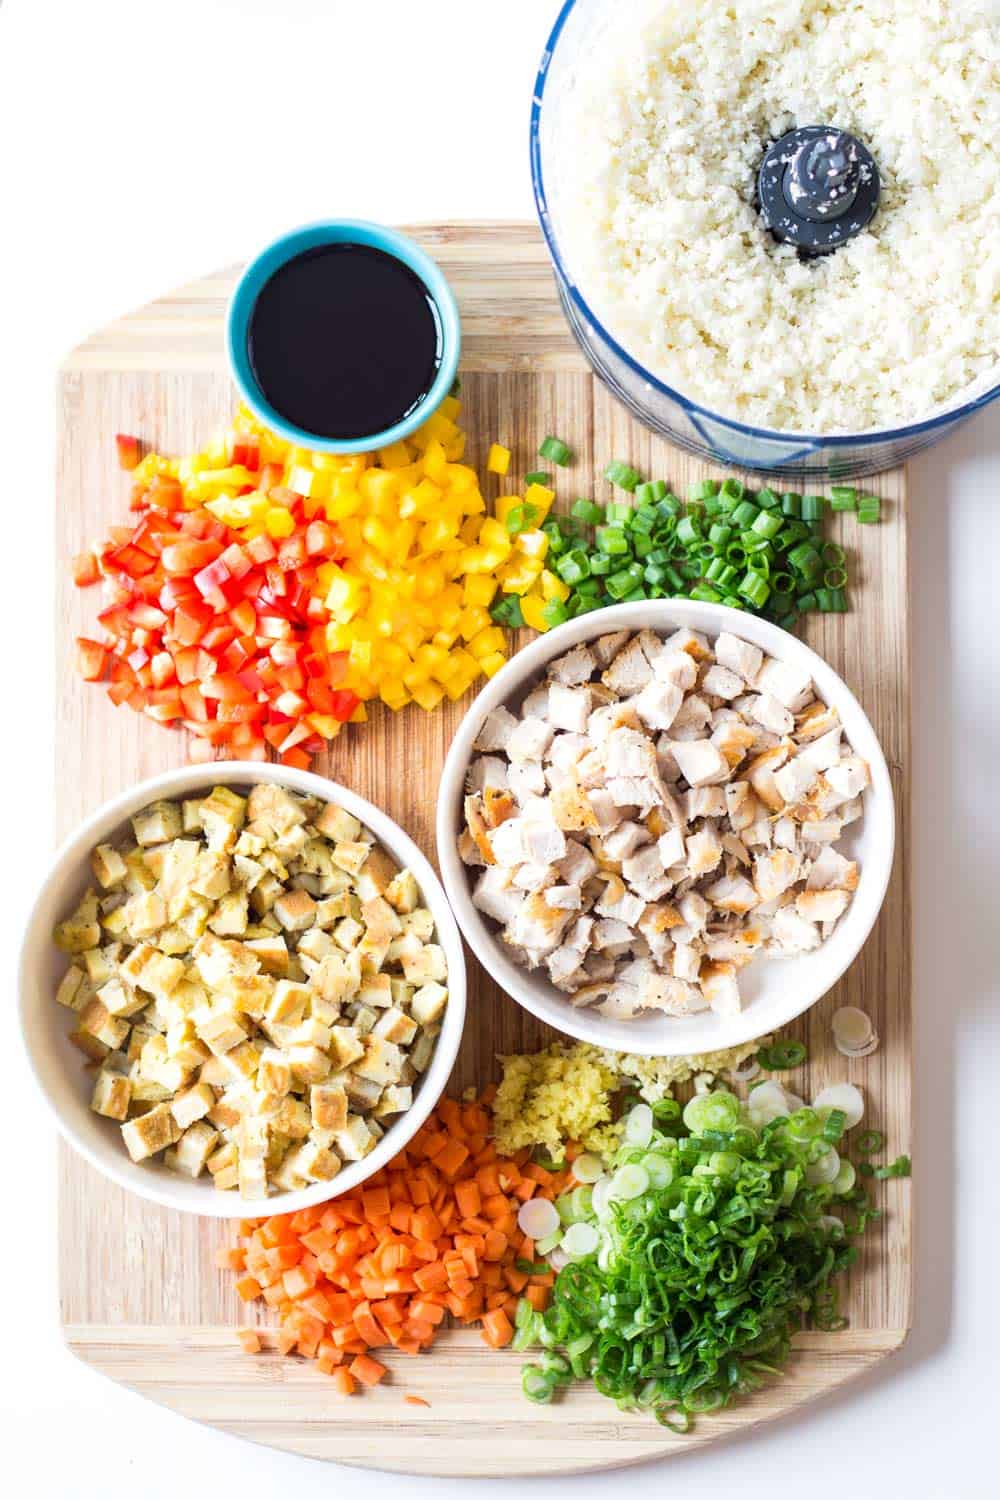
(192, 1104)
(328, 1103)
(337, 825)
(295, 910)
(112, 1095)
(428, 1003)
(157, 824)
(150, 1133)
(108, 866)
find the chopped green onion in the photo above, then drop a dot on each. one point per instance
(587, 511)
(869, 509)
(752, 588)
(767, 525)
(812, 507)
(791, 505)
(842, 497)
(622, 475)
(768, 500)
(514, 520)
(869, 1142)
(555, 449)
(835, 578)
(554, 613)
(782, 1055)
(538, 476)
(745, 515)
(901, 1167)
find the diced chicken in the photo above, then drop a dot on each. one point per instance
(620, 905)
(605, 809)
(738, 656)
(719, 986)
(795, 780)
(719, 682)
(494, 895)
(822, 752)
(645, 874)
(565, 897)
(488, 771)
(577, 864)
(822, 906)
(704, 851)
(676, 667)
(830, 870)
(507, 843)
(793, 933)
(658, 702)
(607, 647)
(533, 877)
(535, 925)
(629, 671)
(566, 750)
(771, 712)
(849, 777)
(575, 668)
(623, 841)
(733, 893)
(565, 969)
(526, 780)
(496, 730)
(543, 842)
(569, 707)
(775, 872)
(671, 848)
(700, 762)
(530, 740)
(630, 753)
(791, 685)
(690, 641)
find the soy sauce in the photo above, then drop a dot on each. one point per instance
(344, 341)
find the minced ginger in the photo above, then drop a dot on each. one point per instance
(567, 1093)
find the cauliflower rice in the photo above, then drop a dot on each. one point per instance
(657, 147)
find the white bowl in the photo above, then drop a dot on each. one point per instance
(774, 989)
(60, 1067)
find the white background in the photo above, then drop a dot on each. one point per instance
(146, 143)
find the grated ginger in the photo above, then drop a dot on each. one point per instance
(567, 1093)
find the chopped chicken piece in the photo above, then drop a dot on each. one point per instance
(566, 897)
(623, 841)
(700, 762)
(822, 906)
(658, 703)
(677, 667)
(530, 740)
(791, 685)
(738, 656)
(496, 730)
(569, 707)
(849, 777)
(772, 713)
(629, 671)
(775, 873)
(704, 851)
(719, 682)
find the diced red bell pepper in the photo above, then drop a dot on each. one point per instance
(91, 659)
(128, 450)
(189, 555)
(194, 703)
(190, 622)
(165, 492)
(344, 702)
(85, 570)
(244, 617)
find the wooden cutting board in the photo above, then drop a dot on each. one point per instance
(141, 1300)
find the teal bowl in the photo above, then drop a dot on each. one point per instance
(339, 232)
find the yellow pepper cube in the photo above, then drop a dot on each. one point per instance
(492, 664)
(553, 587)
(474, 619)
(436, 462)
(532, 607)
(532, 543)
(393, 693)
(493, 535)
(541, 498)
(341, 506)
(359, 716)
(486, 642)
(504, 506)
(446, 637)
(451, 408)
(479, 590)
(279, 523)
(396, 456)
(428, 695)
(498, 461)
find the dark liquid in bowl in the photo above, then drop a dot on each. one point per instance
(344, 341)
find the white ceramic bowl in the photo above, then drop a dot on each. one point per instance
(60, 1068)
(774, 989)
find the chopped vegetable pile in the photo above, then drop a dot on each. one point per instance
(687, 1265)
(265, 593)
(434, 1233)
(759, 551)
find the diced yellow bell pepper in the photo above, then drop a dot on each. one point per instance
(498, 460)
(428, 695)
(553, 587)
(541, 498)
(492, 664)
(486, 642)
(396, 456)
(532, 543)
(479, 590)
(278, 522)
(474, 619)
(532, 606)
(393, 693)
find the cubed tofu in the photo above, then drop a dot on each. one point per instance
(355, 1140)
(157, 824)
(346, 1046)
(97, 1021)
(108, 866)
(219, 1029)
(328, 1102)
(194, 1148)
(403, 892)
(119, 1000)
(150, 1133)
(295, 910)
(337, 825)
(74, 990)
(428, 963)
(192, 1104)
(396, 1026)
(112, 1095)
(289, 1003)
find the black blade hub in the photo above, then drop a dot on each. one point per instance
(817, 188)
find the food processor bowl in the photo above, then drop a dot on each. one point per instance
(697, 429)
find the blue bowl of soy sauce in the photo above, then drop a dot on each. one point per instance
(343, 336)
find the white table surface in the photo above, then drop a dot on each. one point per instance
(145, 143)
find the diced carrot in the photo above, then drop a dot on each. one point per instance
(248, 1287)
(468, 1198)
(496, 1245)
(343, 1381)
(231, 1258)
(367, 1370)
(415, 1401)
(249, 1340)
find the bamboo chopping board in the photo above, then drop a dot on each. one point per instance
(141, 1300)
